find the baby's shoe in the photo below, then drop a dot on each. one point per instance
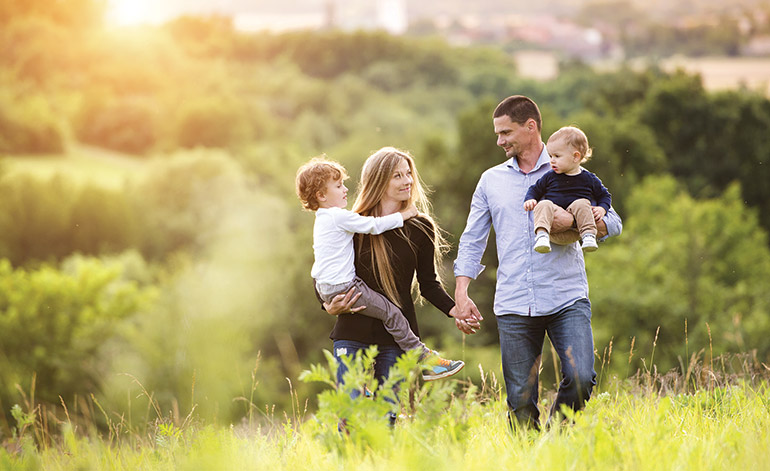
(542, 243)
(589, 243)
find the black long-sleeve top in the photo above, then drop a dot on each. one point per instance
(407, 259)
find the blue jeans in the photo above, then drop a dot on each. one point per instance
(521, 345)
(385, 359)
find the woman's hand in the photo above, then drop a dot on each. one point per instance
(343, 303)
(466, 326)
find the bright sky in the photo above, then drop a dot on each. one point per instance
(134, 12)
(130, 12)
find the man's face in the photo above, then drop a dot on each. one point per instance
(510, 136)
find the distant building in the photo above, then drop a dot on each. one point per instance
(349, 15)
(757, 46)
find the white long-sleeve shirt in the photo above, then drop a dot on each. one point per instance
(333, 241)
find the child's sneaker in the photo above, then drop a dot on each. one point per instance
(437, 367)
(589, 243)
(542, 243)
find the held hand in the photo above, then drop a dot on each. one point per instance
(466, 310)
(466, 326)
(343, 303)
(599, 212)
(409, 212)
(529, 205)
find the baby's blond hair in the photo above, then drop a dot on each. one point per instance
(313, 177)
(575, 138)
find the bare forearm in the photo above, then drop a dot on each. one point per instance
(601, 229)
(461, 287)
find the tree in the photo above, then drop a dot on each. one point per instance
(683, 260)
(54, 323)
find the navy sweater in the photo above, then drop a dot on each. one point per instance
(563, 189)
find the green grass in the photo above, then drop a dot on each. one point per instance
(82, 164)
(722, 423)
(710, 430)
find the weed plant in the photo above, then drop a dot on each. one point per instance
(704, 418)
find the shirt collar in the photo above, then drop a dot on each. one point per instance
(543, 159)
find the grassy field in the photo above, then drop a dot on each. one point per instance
(707, 421)
(720, 429)
(721, 73)
(718, 73)
(81, 163)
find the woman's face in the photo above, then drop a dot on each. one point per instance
(400, 186)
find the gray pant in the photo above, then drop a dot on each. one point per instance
(378, 307)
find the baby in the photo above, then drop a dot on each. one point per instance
(570, 186)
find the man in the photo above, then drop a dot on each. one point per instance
(535, 293)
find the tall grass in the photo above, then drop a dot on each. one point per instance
(713, 416)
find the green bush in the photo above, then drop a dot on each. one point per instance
(34, 218)
(54, 322)
(211, 122)
(47, 220)
(128, 124)
(29, 125)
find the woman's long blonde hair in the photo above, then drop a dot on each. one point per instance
(375, 177)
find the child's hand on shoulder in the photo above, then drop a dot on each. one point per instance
(409, 212)
(599, 212)
(529, 205)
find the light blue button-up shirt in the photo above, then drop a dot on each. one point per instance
(528, 282)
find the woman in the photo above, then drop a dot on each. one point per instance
(388, 262)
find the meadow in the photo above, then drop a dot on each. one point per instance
(717, 73)
(156, 308)
(711, 419)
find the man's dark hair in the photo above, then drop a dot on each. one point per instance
(519, 108)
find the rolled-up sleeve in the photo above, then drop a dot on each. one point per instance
(613, 222)
(473, 241)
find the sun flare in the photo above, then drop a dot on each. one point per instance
(132, 12)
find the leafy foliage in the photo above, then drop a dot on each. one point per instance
(694, 268)
(55, 324)
(362, 409)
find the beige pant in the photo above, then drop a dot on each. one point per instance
(580, 209)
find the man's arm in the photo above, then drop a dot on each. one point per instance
(466, 308)
(468, 265)
(609, 226)
(612, 223)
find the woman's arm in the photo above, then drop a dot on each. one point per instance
(422, 234)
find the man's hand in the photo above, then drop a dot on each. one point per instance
(343, 303)
(529, 205)
(466, 308)
(466, 326)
